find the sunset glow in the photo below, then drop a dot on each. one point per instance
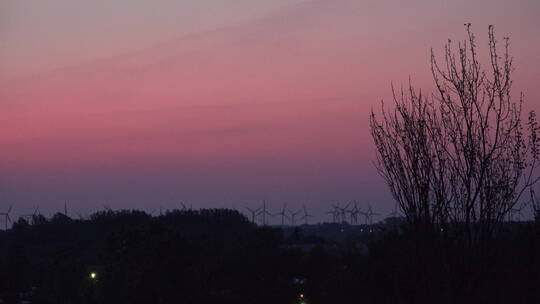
(223, 103)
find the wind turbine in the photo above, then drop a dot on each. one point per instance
(306, 214)
(254, 213)
(7, 219)
(510, 217)
(28, 217)
(367, 216)
(264, 213)
(190, 207)
(394, 212)
(370, 214)
(513, 213)
(334, 213)
(520, 214)
(65, 208)
(354, 213)
(343, 211)
(293, 215)
(337, 210)
(283, 214)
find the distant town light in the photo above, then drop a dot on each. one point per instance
(93, 275)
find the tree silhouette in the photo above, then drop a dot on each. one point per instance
(461, 155)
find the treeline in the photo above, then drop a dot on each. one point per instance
(188, 256)
(218, 256)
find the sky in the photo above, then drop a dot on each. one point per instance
(219, 103)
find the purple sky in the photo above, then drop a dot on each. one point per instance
(142, 104)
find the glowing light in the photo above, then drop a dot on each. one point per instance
(93, 275)
(301, 296)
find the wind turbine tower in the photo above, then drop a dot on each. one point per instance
(7, 219)
(306, 215)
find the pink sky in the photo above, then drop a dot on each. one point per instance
(218, 103)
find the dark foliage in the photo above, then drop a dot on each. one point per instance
(218, 256)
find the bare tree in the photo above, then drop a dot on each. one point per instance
(407, 157)
(535, 204)
(459, 156)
